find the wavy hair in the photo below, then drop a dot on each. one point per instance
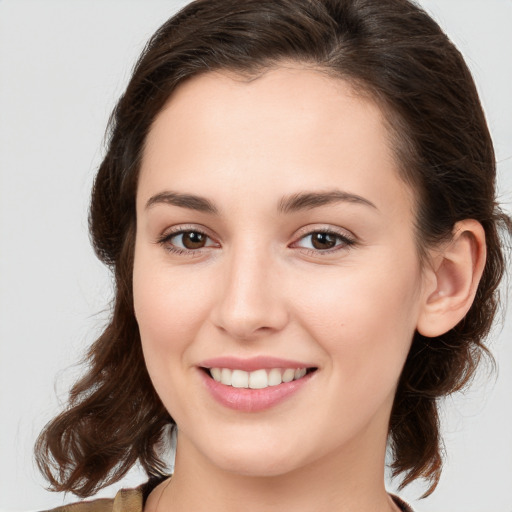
(390, 50)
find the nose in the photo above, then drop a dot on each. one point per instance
(251, 299)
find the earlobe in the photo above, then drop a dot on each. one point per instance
(455, 274)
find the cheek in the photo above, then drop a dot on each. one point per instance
(168, 309)
(169, 315)
(365, 319)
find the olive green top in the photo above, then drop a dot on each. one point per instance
(132, 500)
(126, 500)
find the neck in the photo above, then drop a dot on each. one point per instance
(347, 481)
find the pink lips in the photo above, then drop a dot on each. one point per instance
(252, 400)
(254, 363)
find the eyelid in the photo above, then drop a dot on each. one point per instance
(324, 228)
(173, 231)
(348, 238)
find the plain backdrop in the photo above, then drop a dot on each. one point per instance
(62, 66)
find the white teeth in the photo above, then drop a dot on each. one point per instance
(216, 373)
(288, 375)
(274, 377)
(239, 379)
(225, 376)
(258, 379)
(299, 373)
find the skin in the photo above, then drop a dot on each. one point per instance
(259, 287)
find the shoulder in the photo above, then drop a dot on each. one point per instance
(126, 500)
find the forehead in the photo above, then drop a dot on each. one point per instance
(292, 126)
(271, 100)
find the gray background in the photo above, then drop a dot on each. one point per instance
(62, 66)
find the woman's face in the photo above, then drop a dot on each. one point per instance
(274, 237)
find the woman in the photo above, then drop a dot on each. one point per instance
(298, 204)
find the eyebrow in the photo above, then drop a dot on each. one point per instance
(309, 200)
(192, 202)
(288, 204)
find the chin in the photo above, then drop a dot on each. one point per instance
(254, 459)
(258, 466)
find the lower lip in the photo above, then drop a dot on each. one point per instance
(253, 400)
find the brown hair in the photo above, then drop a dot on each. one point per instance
(391, 50)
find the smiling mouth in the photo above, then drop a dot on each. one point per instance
(257, 379)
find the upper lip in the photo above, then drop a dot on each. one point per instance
(253, 363)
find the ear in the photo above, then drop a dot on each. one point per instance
(452, 279)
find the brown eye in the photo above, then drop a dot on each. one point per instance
(193, 240)
(323, 240)
(183, 241)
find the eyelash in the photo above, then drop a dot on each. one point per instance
(165, 241)
(345, 242)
